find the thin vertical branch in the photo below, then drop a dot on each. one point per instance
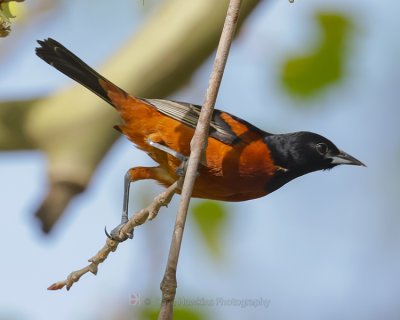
(198, 146)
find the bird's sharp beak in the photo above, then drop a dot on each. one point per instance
(344, 158)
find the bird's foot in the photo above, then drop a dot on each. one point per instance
(115, 233)
(180, 171)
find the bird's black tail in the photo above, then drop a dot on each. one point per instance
(56, 55)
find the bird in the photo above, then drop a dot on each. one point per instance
(241, 161)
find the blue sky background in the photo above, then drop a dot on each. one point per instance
(325, 246)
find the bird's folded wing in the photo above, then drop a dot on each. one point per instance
(188, 114)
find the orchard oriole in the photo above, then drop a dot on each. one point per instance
(241, 162)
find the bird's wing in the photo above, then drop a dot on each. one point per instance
(220, 128)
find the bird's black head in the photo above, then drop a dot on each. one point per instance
(302, 152)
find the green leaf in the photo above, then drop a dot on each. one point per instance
(306, 75)
(5, 7)
(211, 218)
(179, 314)
(5, 16)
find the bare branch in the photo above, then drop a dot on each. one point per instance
(198, 146)
(140, 217)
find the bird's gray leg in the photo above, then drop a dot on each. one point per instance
(114, 235)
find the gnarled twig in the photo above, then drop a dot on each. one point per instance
(140, 217)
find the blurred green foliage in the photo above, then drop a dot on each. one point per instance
(305, 75)
(211, 219)
(179, 314)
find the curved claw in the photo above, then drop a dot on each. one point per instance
(107, 234)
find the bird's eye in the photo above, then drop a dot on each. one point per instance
(322, 148)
